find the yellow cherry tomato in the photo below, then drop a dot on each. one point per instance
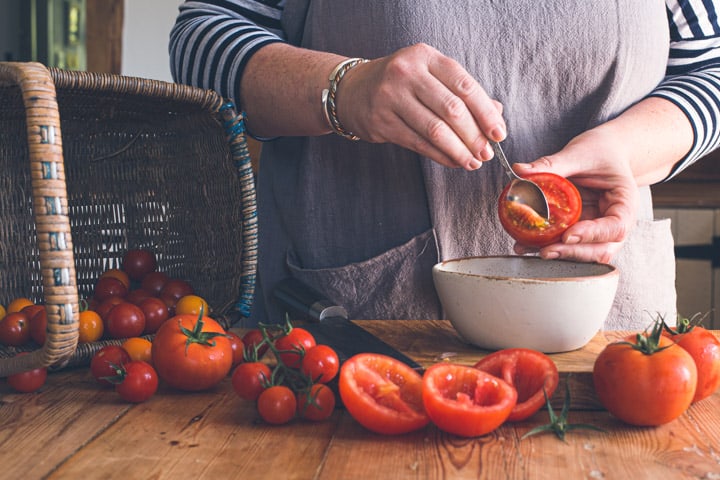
(119, 274)
(90, 328)
(191, 304)
(18, 304)
(139, 349)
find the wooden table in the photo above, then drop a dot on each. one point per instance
(72, 429)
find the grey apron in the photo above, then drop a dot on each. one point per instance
(365, 223)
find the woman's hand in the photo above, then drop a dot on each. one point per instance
(424, 101)
(600, 169)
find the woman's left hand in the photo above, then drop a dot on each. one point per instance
(600, 170)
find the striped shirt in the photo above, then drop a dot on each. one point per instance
(212, 41)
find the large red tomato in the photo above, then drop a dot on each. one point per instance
(529, 372)
(466, 401)
(646, 389)
(191, 353)
(382, 394)
(529, 228)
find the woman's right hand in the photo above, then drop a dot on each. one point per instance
(424, 101)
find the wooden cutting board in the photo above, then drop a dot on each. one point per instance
(431, 341)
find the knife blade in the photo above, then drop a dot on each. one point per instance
(330, 323)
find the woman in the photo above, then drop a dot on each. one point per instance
(579, 89)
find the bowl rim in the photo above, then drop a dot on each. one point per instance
(612, 270)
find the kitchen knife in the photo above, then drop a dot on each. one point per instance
(330, 325)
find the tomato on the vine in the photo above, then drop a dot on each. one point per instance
(191, 352)
(252, 339)
(466, 401)
(15, 329)
(277, 404)
(320, 363)
(125, 320)
(238, 348)
(249, 379)
(317, 403)
(137, 381)
(645, 380)
(104, 363)
(292, 345)
(526, 226)
(138, 262)
(529, 372)
(382, 394)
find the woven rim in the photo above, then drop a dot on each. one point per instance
(38, 86)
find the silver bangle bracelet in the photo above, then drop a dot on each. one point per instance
(328, 97)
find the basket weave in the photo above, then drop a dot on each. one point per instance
(139, 164)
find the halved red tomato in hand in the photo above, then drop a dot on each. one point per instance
(466, 401)
(526, 226)
(528, 371)
(382, 394)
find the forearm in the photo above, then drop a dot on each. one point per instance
(281, 91)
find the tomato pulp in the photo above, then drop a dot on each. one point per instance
(527, 227)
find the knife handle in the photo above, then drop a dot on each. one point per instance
(300, 298)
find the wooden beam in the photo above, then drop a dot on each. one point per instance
(104, 35)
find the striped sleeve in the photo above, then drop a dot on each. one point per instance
(212, 41)
(692, 79)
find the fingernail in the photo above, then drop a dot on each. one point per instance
(487, 152)
(572, 239)
(498, 133)
(551, 255)
(475, 164)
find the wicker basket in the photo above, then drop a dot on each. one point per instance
(139, 164)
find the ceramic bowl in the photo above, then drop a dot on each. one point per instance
(515, 301)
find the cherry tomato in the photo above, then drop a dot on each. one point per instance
(156, 313)
(466, 401)
(28, 381)
(704, 347)
(90, 328)
(154, 282)
(104, 307)
(529, 372)
(138, 348)
(32, 310)
(317, 404)
(119, 274)
(107, 287)
(292, 345)
(320, 363)
(382, 394)
(191, 353)
(38, 326)
(15, 329)
(238, 348)
(249, 379)
(105, 361)
(18, 304)
(173, 290)
(529, 228)
(125, 320)
(139, 262)
(645, 389)
(252, 339)
(138, 381)
(192, 304)
(137, 295)
(277, 404)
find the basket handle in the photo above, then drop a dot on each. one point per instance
(50, 210)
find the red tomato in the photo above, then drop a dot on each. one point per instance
(119, 274)
(125, 320)
(317, 404)
(320, 363)
(238, 348)
(249, 379)
(38, 326)
(173, 290)
(466, 401)
(104, 307)
(107, 287)
(645, 389)
(191, 353)
(153, 282)
(704, 347)
(382, 394)
(139, 262)
(277, 404)
(156, 313)
(137, 295)
(28, 381)
(15, 329)
(138, 382)
(528, 371)
(529, 228)
(105, 361)
(291, 346)
(252, 339)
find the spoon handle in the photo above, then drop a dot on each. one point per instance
(503, 159)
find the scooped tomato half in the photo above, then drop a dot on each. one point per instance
(526, 226)
(466, 401)
(529, 372)
(382, 394)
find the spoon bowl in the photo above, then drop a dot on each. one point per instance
(522, 190)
